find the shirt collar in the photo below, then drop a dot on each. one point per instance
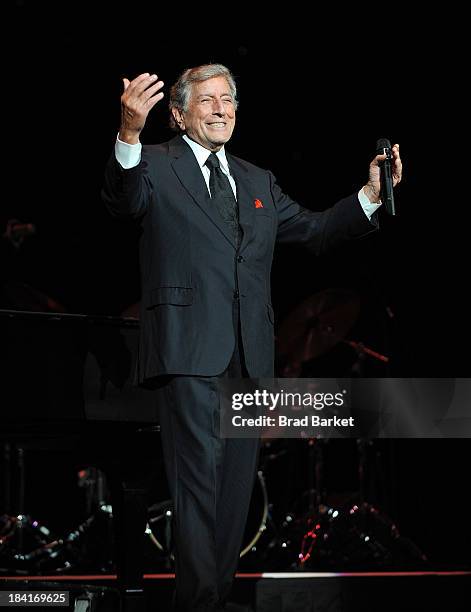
(202, 154)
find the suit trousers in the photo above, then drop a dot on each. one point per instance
(211, 482)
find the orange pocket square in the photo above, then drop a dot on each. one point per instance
(258, 203)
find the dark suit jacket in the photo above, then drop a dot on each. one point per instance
(189, 265)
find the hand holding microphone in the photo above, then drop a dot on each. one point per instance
(384, 174)
(383, 147)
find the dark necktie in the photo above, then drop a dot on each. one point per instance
(223, 196)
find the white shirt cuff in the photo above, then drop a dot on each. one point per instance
(127, 155)
(368, 207)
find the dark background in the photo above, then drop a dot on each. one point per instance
(315, 95)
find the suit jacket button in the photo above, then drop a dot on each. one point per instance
(240, 259)
(236, 295)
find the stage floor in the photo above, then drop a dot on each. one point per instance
(281, 591)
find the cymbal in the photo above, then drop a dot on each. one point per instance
(317, 324)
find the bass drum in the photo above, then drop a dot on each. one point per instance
(159, 525)
(257, 517)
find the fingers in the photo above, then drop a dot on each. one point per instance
(397, 163)
(152, 101)
(138, 97)
(374, 180)
(378, 159)
(142, 89)
(138, 85)
(397, 170)
(148, 95)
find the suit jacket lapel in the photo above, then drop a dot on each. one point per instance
(189, 173)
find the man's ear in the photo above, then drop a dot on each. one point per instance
(178, 116)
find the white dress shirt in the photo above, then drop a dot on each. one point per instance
(129, 156)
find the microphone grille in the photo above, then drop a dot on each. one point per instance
(382, 143)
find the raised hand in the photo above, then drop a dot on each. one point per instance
(139, 96)
(372, 188)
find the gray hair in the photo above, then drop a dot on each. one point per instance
(180, 93)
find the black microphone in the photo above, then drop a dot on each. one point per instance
(387, 196)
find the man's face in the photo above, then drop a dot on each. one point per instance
(210, 117)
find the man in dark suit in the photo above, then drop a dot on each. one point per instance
(209, 225)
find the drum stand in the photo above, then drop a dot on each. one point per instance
(24, 542)
(355, 536)
(316, 507)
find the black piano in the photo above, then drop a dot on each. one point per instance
(67, 380)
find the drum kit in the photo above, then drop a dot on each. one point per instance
(295, 529)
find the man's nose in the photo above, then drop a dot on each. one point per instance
(218, 107)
